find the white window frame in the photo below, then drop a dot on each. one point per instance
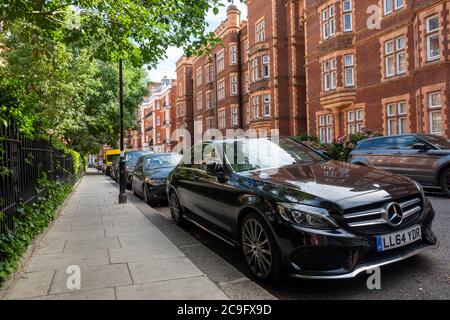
(431, 34)
(255, 105)
(266, 66)
(328, 22)
(222, 118)
(233, 54)
(400, 51)
(221, 61)
(266, 105)
(435, 109)
(349, 68)
(235, 115)
(260, 29)
(234, 85)
(347, 14)
(221, 90)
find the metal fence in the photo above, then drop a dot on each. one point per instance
(22, 162)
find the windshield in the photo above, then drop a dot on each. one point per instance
(439, 142)
(258, 154)
(132, 158)
(163, 161)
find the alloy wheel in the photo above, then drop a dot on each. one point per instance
(257, 250)
(445, 182)
(175, 210)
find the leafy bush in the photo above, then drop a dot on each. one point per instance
(30, 221)
(339, 150)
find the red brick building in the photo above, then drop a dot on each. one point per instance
(324, 67)
(184, 103)
(216, 80)
(275, 59)
(387, 70)
(157, 117)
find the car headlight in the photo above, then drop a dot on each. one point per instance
(419, 186)
(307, 216)
(155, 182)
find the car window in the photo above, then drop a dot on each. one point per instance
(407, 142)
(162, 161)
(364, 144)
(259, 154)
(383, 143)
(438, 141)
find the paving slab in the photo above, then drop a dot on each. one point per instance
(96, 294)
(196, 288)
(163, 269)
(43, 262)
(31, 284)
(96, 277)
(136, 254)
(74, 246)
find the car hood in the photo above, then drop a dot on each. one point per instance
(161, 173)
(340, 183)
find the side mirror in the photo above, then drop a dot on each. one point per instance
(420, 146)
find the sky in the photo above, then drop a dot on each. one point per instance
(167, 67)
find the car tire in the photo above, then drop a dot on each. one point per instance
(445, 182)
(260, 249)
(133, 189)
(146, 197)
(176, 210)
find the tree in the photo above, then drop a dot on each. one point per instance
(139, 31)
(65, 92)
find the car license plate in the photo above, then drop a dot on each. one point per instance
(399, 239)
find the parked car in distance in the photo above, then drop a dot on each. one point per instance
(115, 169)
(131, 157)
(292, 210)
(422, 157)
(150, 176)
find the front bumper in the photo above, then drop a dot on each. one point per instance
(157, 193)
(343, 254)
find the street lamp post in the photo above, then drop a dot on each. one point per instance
(122, 181)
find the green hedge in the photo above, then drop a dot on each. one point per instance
(30, 221)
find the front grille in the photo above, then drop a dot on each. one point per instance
(370, 220)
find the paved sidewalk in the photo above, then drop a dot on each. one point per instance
(121, 254)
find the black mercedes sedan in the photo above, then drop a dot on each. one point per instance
(291, 210)
(150, 176)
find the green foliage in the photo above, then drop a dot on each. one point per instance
(341, 149)
(138, 31)
(64, 92)
(30, 221)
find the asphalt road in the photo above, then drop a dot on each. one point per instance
(426, 276)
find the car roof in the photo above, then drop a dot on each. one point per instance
(393, 136)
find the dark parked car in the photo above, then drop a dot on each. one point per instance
(292, 210)
(131, 157)
(421, 157)
(150, 176)
(115, 169)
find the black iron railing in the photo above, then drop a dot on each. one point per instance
(22, 162)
